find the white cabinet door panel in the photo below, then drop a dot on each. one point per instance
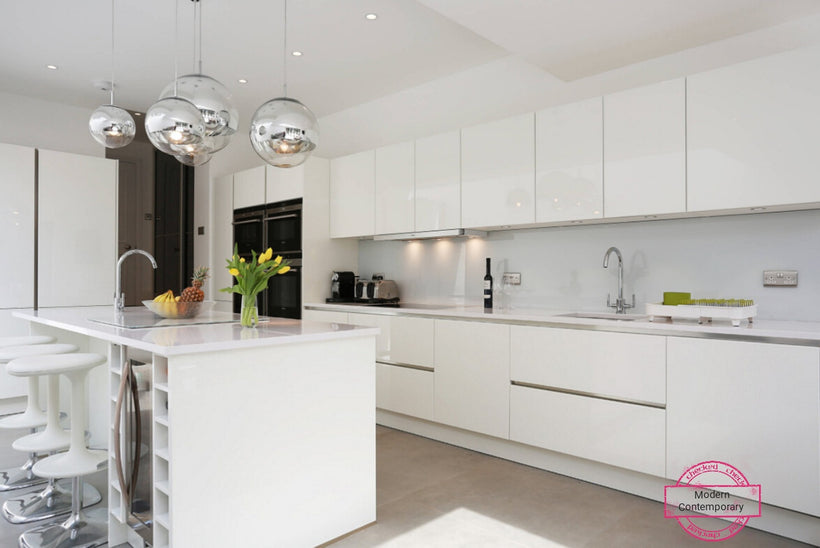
(383, 338)
(394, 189)
(645, 150)
(412, 341)
(472, 376)
(752, 405)
(284, 183)
(404, 390)
(569, 148)
(752, 132)
(325, 316)
(17, 226)
(249, 187)
(353, 195)
(77, 229)
(221, 237)
(620, 434)
(498, 173)
(618, 365)
(438, 181)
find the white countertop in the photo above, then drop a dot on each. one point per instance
(179, 338)
(773, 331)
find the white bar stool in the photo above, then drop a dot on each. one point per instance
(33, 417)
(86, 529)
(54, 500)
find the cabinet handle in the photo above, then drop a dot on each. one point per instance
(117, 431)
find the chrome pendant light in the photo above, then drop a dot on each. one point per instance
(283, 131)
(173, 123)
(112, 126)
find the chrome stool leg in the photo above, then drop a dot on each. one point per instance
(54, 501)
(21, 477)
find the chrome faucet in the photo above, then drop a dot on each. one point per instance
(119, 296)
(620, 305)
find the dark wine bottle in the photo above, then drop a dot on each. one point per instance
(488, 288)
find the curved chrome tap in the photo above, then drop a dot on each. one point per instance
(119, 296)
(620, 305)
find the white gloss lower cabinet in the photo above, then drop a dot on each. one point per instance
(626, 366)
(498, 173)
(752, 131)
(412, 341)
(353, 195)
(394, 189)
(438, 181)
(77, 224)
(404, 390)
(755, 406)
(621, 434)
(472, 376)
(329, 316)
(645, 150)
(569, 158)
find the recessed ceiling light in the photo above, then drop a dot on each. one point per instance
(371, 16)
(51, 67)
(138, 114)
(296, 53)
(243, 81)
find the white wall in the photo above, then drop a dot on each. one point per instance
(43, 124)
(561, 267)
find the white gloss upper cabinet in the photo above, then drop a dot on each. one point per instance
(752, 133)
(569, 162)
(394, 189)
(17, 226)
(284, 183)
(352, 195)
(249, 187)
(222, 236)
(77, 229)
(645, 150)
(438, 181)
(498, 173)
(747, 404)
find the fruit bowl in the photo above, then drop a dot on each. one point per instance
(177, 310)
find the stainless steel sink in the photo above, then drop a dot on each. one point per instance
(605, 316)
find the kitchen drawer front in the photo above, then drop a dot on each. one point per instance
(383, 338)
(621, 434)
(404, 390)
(412, 341)
(325, 316)
(615, 365)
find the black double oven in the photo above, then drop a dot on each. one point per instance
(278, 226)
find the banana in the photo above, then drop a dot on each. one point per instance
(168, 296)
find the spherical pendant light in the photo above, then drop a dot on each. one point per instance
(284, 132)
(112, 127)
(174, 121)
(194, 158)
(219, 115)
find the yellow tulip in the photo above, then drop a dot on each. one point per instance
(284, 269)
(262, 259)
(234, 272)
(242, 260)
(268, 254)
(277, 260)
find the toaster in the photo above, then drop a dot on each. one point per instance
(377, 290)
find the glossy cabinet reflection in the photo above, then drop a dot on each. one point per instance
(353, 195)
(438, 181)
(284, 183)
(645, 150)
(498, 173)
(569, 162)
(17, 226)
(249, 187)
(394, 189)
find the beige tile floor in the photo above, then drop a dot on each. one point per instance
(431, 494)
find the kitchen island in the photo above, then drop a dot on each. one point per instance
(261, 436)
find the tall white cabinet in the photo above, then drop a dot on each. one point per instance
(438, 181)
(569, 182)
(77, 240)
(353, 195)
(752, 133)
(498, 173)
(645, 150)
(249, 187)
(394, 183)
(222, 237)
(17, 226)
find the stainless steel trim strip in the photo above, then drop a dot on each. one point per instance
(277, 217)
(588, 394)
(406, 365)
(246, 222)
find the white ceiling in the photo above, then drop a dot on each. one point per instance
(419, 57)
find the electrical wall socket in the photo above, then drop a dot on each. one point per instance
(511, 278)
(780, 278)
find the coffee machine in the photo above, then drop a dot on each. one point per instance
(342, 287)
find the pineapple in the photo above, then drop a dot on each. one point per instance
(194, 294)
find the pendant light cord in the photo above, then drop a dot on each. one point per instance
(176, 47)
(285, 52)
(199, 15)
(112, 52)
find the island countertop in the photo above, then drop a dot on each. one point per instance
(177, 337)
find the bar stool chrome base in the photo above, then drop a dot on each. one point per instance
(83, 529)
(20, 477)
(52, 502)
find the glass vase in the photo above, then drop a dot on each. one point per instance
(249, 312)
